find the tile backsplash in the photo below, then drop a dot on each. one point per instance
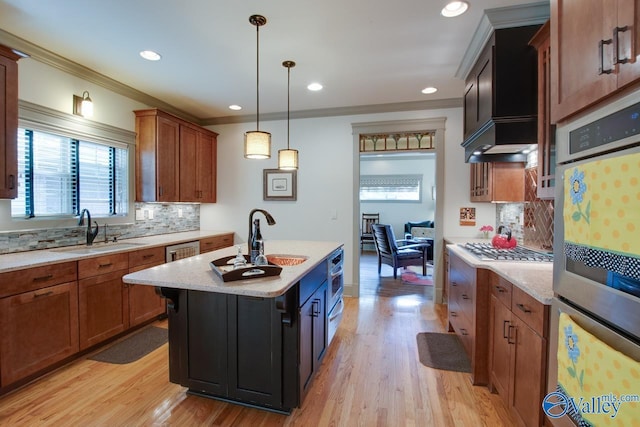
(167, 218)
(531, 222)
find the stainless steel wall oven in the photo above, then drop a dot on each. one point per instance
(595, 318)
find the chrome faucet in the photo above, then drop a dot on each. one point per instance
(91, 234)
(270, 221)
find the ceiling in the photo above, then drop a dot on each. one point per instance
(366, 54)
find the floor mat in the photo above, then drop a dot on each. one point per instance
(134, 347)
(442, 351)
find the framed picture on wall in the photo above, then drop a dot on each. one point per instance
(279, 184)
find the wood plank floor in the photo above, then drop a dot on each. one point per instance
(371, 376)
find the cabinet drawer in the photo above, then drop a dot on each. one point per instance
(217, 242)
(501, 288)
(530, 310)
(146, 256)
(102, 264)
(30, 279)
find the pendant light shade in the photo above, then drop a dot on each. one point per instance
(288, 159)
(257, 144)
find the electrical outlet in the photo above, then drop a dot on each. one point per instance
(150, 213)
(179, 212)
(139, 215)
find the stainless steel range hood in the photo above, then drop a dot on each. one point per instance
(504, 139)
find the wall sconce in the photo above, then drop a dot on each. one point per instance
(257, 144)
(288, 159)
(83, 106)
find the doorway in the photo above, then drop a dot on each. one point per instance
(435, 125)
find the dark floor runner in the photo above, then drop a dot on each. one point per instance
(134, 347)
(442, 351)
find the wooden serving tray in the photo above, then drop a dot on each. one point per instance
(223, 267)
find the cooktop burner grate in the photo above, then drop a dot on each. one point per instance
(486, 252)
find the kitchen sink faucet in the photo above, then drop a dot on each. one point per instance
(91, 234)
(270, 221)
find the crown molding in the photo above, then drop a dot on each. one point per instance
(340, 111)
(501, 17)
(73, 68)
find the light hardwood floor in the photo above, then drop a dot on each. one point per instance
(371, 376)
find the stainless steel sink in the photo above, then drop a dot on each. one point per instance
(286, 260)
(105, 247)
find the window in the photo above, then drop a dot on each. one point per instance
(59, 176)
(395, 188)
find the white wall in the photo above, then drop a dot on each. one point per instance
(327, 178)
(397, 214)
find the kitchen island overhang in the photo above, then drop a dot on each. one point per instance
(256, 342)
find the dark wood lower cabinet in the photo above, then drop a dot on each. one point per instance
(255, 351)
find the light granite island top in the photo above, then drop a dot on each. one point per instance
(195, 273)
(535, 278)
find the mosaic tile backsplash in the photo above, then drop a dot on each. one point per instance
(166, 219)
(531, 222)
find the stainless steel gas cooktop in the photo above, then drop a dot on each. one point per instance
(486, 252)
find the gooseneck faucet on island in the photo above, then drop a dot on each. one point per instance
(91, 234)
(270, 221)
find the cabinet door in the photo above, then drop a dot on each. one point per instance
(485, 86)
(255, 351)
(546, 131)
(206, 166)
(500, 347)
(188, 162)
(203, 335)
(103, 308)
(144, 302)
(577, 30)
(306, 346)
(629, 42)
(39, 328)
(528, 373)
(8, 124)
(480, 182)
(319, 325)
(167, 160)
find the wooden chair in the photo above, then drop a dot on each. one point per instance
(397, 256)
(366, 234)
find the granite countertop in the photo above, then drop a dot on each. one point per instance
(195, 273)
(28, 259)
(535, 278)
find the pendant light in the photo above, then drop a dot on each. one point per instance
(288, 159)
(257, 144)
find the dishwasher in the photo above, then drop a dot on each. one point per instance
(182, 250)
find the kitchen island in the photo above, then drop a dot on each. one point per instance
(257, 341)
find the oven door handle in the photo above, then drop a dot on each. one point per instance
(336, 271)
(337, 310)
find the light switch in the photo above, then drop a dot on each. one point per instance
(139, 215)
(179, 212)
(150, 213)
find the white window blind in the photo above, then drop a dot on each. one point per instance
(399, 188)
(59, 176)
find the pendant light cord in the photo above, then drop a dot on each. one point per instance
(257, 77)
(288, 101)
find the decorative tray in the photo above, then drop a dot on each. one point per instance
(223, 267)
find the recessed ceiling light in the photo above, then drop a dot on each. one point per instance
(429, 90)
(150, 55)
(235, 107)
(315, 87)
(454, 8)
